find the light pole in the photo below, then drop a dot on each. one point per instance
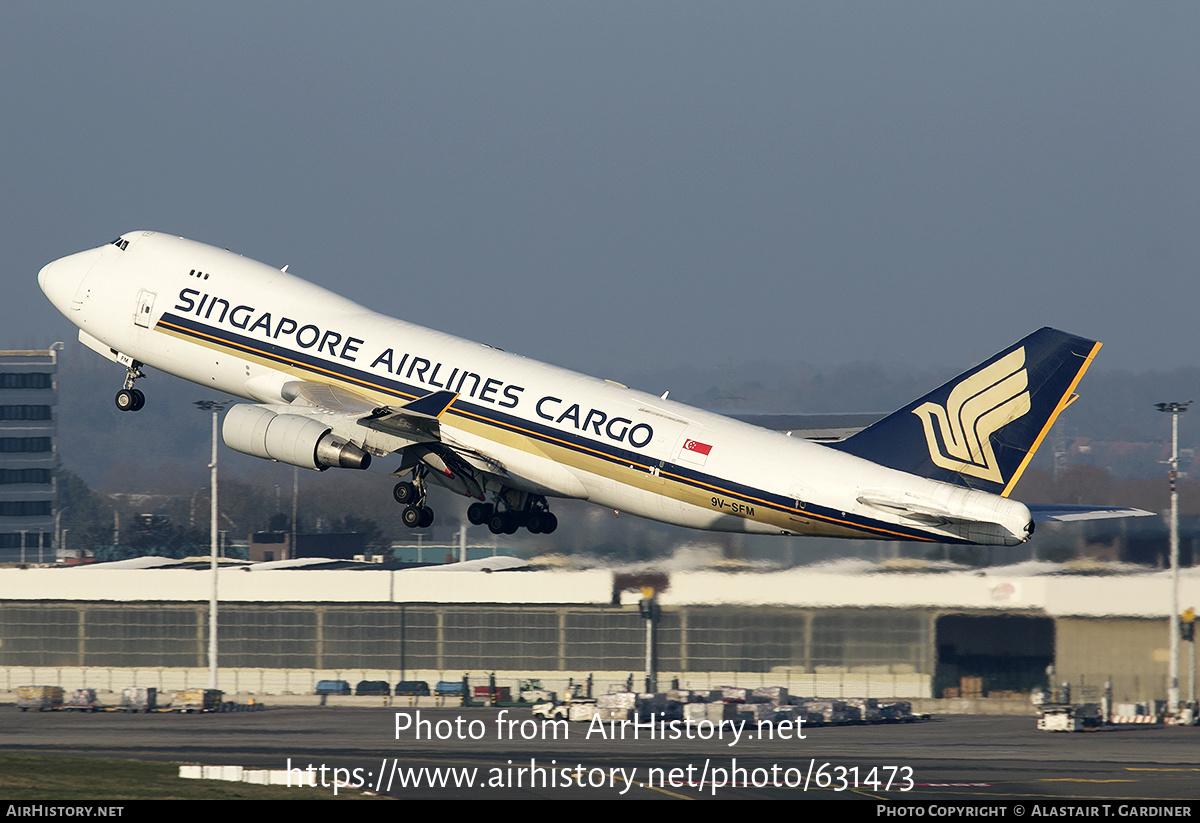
(648, 608)
(214, 406)
(1174, 409)
(295, 501)
(57, 529)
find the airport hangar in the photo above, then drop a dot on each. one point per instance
(864, 631)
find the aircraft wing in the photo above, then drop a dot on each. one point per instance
(413, 430)
(415, 421)
(1050, 513)
(328, 398)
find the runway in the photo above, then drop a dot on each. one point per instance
(496, 754)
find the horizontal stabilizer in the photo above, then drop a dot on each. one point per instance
(822, 427)
(907, 506)
(1048, 513)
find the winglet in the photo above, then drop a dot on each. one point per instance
(431, 405)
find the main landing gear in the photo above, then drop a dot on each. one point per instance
(511, 511)
(129, 398)
(416, 514)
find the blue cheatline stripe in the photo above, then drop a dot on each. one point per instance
(617, 456)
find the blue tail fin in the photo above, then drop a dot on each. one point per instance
(982, 428)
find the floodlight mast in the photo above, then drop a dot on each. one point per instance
(1174, 409)
(214, 406)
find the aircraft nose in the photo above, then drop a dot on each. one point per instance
(61, 279)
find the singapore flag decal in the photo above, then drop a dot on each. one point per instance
(695, 452)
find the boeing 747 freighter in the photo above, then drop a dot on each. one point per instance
(332, 384)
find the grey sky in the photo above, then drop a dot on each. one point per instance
(607, 185)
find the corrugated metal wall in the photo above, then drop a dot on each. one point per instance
(1130, 652)
(467, 637)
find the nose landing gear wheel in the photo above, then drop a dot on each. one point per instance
(130, 400)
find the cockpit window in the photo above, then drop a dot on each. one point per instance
(120, 243)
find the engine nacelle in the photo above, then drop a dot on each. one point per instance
(289, 438)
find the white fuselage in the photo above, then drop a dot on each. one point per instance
(242, 327)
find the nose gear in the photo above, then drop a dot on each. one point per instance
(129, 398)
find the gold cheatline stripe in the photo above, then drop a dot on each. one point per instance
(1066, 400)
(563, 443)
(384, 390)
(275, 358)
(394, 392)
(538, 436)
(804, 512)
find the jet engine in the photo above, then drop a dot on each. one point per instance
(289, 438)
